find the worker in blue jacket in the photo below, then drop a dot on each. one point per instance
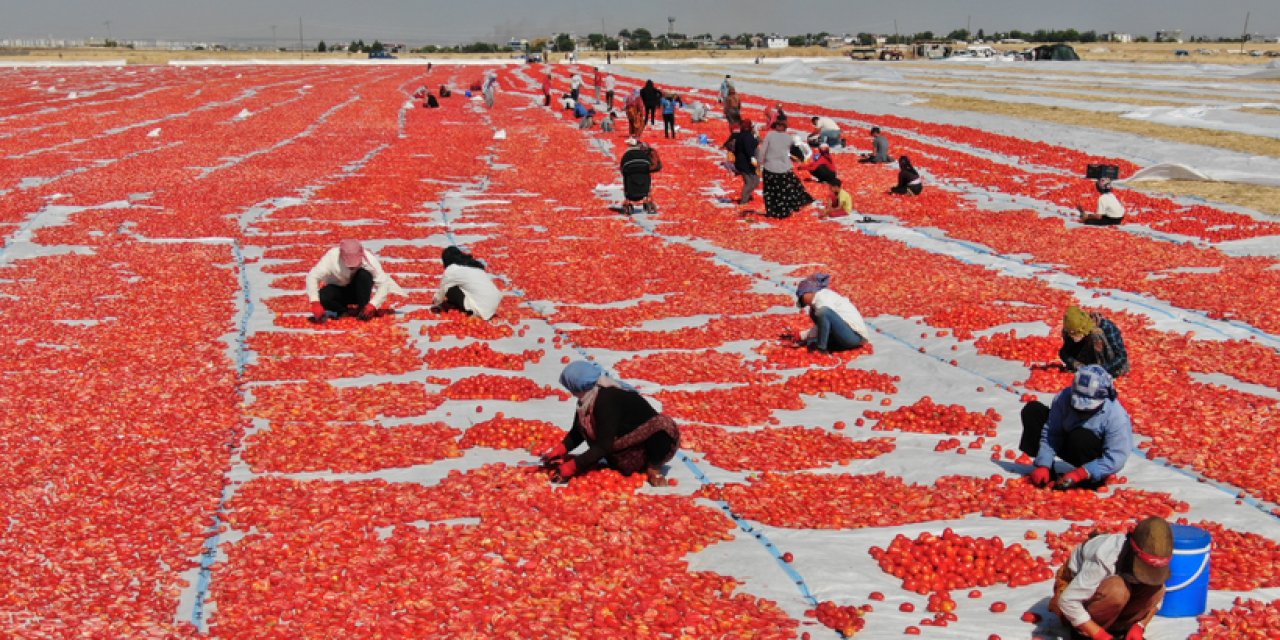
(1086, 427)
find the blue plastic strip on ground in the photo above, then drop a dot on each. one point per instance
(210, 554)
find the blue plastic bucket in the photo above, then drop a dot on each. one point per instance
(703, 139)
(1186, 592)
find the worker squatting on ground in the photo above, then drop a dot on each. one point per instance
(348, 280)
(1112, 584)
(620, 428)
(837, 324)
(1086, 427)
(466, 286)
(1089, 338)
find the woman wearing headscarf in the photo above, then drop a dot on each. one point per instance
(466, 286)
(618, 426)
(652, 98)
(784, 194)
(1089, 338)
(821, 165)
(837, 324)
(743, 146)
(908, 179)
(635, 114)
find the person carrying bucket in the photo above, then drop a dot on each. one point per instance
(1112, 584)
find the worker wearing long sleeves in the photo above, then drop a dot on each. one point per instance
(1086, 426)
(348, 279)
(1112, 585)
(466, 286)
(1089, 338)
(618, 426)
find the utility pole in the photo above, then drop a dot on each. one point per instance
(108, 23)
(274, 45)
(302, 50)
(1245, 36)
(968, 22)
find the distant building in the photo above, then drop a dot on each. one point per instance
(835, 42)
(1119, 37)
(1170, 35)
(775, 42)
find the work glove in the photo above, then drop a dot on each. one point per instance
(368, 312)
(1077, 475)
(318, 313)
(554, 454)
(1136, 632)
(1040, 477)
(566, 470)
(1101, 634)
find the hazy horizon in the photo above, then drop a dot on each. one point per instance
(416, 23)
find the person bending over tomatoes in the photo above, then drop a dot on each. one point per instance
(348, 280)
(619, 427)
(1086, 426)
(1112, 584)
(1089, 338)
(837, 324)
(466, 286)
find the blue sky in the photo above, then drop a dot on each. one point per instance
(423, 22)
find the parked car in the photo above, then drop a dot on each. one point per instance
(533, 57)
(382, 55)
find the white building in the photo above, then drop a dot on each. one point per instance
(776, 43)
(1119, 37)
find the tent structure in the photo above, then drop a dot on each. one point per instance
(1055, 52)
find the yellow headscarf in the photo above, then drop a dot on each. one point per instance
(1077, 321)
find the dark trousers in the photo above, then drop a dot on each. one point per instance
(1103, 221)
(608, 99)
(1079, 447)
(455, 297)
(669, 125)
(649, 113)
(914, 189)
(822, 173)
(357, 293)
(657, 449)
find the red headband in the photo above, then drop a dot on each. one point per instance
(1155, 561)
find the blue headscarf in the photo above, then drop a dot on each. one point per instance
(580, 375)
(812, 284)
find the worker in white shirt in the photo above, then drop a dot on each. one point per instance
(1109, 211)
(837, 324)
(348, 280)
(825, 130)
(1112, 585)
(609, 86)
(466, 286)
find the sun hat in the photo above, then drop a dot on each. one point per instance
(1092, 386)
(1152, 545)
(351, 253)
